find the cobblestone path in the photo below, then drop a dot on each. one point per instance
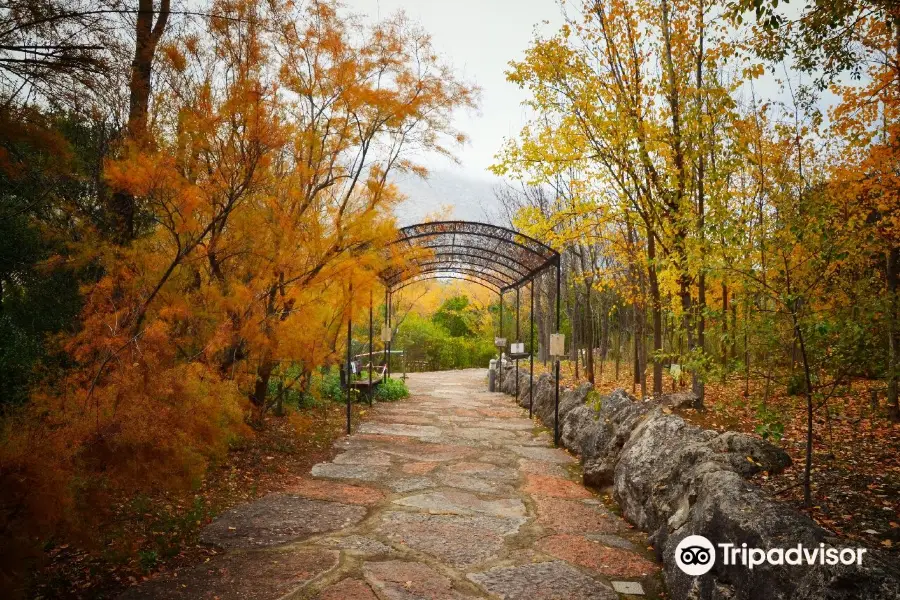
(452, 494)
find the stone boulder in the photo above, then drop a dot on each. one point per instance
(726, 508)
(544, 398)
(568, 400)
(678, 399)
(543, 388)
(597, 433)
(673, 479)
(508, 379)
(525, 388)
(664, 457)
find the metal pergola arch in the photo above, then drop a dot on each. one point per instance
(461, 276)
(509, 257)
(497, 258)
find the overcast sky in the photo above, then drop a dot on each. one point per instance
(479, 38)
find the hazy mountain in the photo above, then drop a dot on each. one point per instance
(449, 194)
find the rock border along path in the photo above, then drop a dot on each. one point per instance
(452, 494)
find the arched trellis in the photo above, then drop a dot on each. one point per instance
(494, 257)
(507, 258)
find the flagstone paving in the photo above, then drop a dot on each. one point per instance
(452, 494)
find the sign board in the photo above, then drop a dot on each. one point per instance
(557, 344)
(517, 348)
(676, 372)
(386, 334)
(500, 342)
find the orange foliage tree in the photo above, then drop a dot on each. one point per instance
(265, 190)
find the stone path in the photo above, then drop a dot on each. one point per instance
(453, 494)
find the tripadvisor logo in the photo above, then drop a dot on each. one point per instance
(696, 555)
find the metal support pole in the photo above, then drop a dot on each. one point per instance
(500, 349)
(556, 402)
(501, 314)
(371, 361)
(531, 352)
(517, 341)
(349, 358)
(386, 301)
(391, 343)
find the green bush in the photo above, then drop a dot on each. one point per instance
(771, 424)
(390, 390)
(294, 397)
(330, 386)
(148, 560)
(430, 344)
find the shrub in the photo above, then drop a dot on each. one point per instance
(329, 386)
(148, 560)
(430, 346)
(294, 395)
(390, 390)
(771, 424)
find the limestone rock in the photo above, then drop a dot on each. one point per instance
(673, 479)
(729, 508)
(685, 399)
(598, 436)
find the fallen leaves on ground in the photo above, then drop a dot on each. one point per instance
(145, 535)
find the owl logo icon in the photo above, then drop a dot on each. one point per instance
(695, 555)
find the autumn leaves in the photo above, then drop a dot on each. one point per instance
(749, 234)
(260, 181)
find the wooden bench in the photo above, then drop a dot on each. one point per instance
(363, 384)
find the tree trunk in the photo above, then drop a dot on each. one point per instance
(746, 347)
(807, 468)
(146, 40)
(892, 273)
(541, 320)
(603, 325)
(279, 400)
(733, 345)
(637, 335)
(645, 343)
(619, 342)
(261, 388)
(893, 283)
(573, 348)
(657, 316)
(589, 335)
(697, 384)
(687, 310)
(724, 331)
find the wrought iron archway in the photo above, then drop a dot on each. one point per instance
(502, 258)
(497, 258)
(494, 257)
